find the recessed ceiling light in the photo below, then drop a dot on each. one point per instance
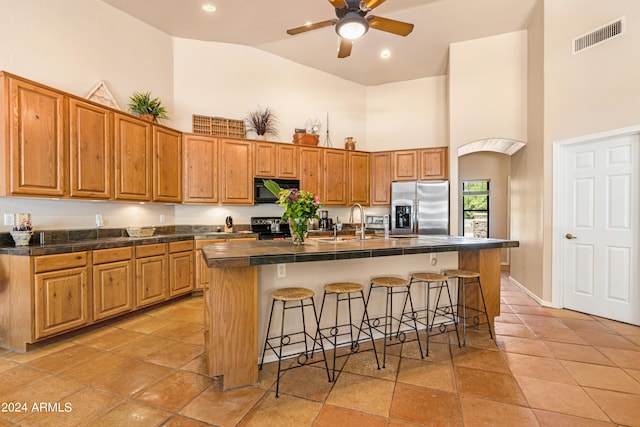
(208, 8)
(386, 53)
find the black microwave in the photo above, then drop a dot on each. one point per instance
(262, 195)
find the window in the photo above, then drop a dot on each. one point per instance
(475, 208)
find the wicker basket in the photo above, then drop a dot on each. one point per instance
(21, 238)
(218, 126)
(140, 231)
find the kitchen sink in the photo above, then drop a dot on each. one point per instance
(346, 239)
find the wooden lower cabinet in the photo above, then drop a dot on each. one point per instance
(60, 297)
(202, 270)
(181, 268)
(113, 276)
(151, 274)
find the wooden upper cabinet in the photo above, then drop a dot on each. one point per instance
(132, 158)
(200, 169)
(434, 163)
(359, 178)
(236, 171)
(90, 142)
(381, 178)
(335, 177)
(405, 165)
(167, 165)
(266, 159)
(37, 161)
(311, 169)
(287, 161)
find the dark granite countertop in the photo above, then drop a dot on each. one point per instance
(279, 251)
(107, 242)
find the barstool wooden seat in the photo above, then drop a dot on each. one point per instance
(465, 278)
(427, 316)
(349, 292)
(392, 285)
(292, 298)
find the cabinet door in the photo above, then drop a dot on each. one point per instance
(37, 157)
(359, 179)
(265, 159)
(180, 273)
(132, 158)
(381, 179)
(405, 165)
(202, 270)
(433, 163)
(151, 280)
(167, 165)
(90, 141)
(236, 171)
(287, 161)
(335, 177)
(61, 302)
(112, 289)
(311, 169)
(200, 169)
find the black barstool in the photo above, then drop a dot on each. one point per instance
(292, 298)
(345, 291)
(444, 315)
(466, 278)
(392, 286)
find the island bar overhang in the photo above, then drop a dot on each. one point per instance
(231, 298)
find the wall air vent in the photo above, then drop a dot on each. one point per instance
(600, 35)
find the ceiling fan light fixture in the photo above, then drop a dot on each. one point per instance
(352, 26)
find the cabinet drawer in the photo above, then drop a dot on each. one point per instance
(59, 262)
(102, 256)
(151, 250)
(201, 243)
(181, 246)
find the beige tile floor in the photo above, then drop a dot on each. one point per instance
(546, 368)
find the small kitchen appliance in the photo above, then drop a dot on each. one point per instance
(324, 223)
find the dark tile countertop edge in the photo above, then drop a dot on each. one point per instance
(275, 252)
(114, 242)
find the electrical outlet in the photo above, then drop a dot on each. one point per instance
(161, 218)
(282, 270)
(9, 219)
(433, 259)
(99, 220)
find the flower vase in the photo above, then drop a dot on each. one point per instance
(298, 228)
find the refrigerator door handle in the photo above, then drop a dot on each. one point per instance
(416, 205)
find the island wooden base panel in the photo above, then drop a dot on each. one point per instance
(231, 325)
(231, 314)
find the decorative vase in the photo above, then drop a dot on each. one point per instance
(148, 117)
(21, 238)
(349, 143)
(298, 228)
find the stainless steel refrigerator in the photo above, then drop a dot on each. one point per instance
(420, 207)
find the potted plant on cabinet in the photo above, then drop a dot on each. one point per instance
(263, 122)
(146, 107)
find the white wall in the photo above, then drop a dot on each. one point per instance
(411, 114)
(487, 96)
(225, 80)
(72, 45)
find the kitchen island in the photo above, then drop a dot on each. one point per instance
(231, 299)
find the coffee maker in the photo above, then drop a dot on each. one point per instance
(325, 222)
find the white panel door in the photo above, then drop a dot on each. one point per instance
(600, 248)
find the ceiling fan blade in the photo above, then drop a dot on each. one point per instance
(338, 3)
(372, 4)
(390, 25)
(345, 48)
(305, 28)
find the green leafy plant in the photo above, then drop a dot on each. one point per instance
(299, 207)
(262, 121)
(141, 103)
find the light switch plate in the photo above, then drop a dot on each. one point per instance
(9, 219)
(99, 220)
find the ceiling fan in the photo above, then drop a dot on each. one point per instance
(353, 22)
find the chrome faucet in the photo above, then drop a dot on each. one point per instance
(361, 232)
(335, 232)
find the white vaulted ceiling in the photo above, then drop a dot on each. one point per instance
(263, 24)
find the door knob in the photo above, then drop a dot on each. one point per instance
(569, 236)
